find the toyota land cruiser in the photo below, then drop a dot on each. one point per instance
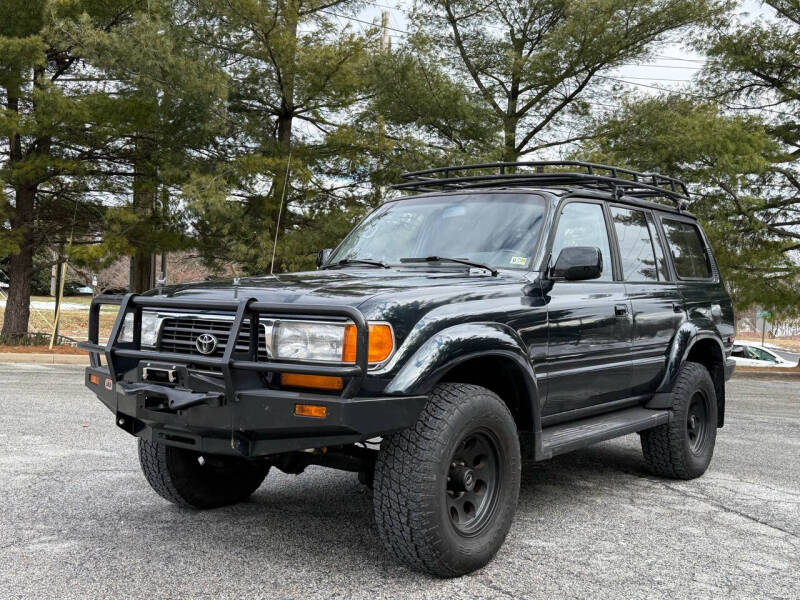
(502, 310)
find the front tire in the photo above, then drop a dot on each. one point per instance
(682, 448)
(446, 489)
(195, 480)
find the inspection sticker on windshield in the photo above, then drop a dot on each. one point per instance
(519, 260)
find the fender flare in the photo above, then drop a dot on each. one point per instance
(686, 337)
(454, 345)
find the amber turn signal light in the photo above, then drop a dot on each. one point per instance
(381, 343)
(319, 382)
(311, 410)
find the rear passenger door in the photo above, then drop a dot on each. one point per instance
(654, 296)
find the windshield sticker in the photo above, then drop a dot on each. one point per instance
(519, 260)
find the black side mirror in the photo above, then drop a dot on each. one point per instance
(323, 256)
(578, 263)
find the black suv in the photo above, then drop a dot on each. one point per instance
(502, 310)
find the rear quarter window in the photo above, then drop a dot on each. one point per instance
(688, 250)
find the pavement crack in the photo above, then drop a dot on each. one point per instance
(728, 509)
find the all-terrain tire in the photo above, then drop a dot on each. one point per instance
(464, 433)
(679, 449)
(195, 480)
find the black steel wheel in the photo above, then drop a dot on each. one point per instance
(697, 422)
(446, 490)
(474, 481)
(682, 448)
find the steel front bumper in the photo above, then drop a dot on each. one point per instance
(256, 422)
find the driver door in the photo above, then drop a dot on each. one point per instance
(589, 323)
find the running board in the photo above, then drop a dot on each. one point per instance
(566, 437)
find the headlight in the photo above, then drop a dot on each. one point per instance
(329, 342)
(308, 341)
(151, 323)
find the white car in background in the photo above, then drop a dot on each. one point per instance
(752, 354)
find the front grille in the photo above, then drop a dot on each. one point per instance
(179, 334)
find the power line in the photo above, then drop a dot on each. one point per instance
(357, 20)
(694, 60)
(656, 79)
(655, 66)
(693, 95)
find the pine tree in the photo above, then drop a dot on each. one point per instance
(41, 116)
(149, 127)
(297, 83)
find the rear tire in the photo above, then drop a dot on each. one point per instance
(195, 480)
(446, 489)
(682, 448)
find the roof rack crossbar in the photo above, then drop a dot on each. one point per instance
(615, 179)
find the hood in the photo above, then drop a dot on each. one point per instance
(351, 287)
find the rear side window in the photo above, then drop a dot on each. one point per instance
(635, 245)
(688, 250)
(661, 259)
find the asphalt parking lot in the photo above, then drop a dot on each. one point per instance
(77, 519)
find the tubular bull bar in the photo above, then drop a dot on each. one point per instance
(121, 356)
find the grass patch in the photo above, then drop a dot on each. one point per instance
(74, 324)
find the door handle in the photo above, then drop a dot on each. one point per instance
(620, 310)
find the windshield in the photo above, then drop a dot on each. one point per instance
(498, 229)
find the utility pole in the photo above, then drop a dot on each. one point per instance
(386, 41)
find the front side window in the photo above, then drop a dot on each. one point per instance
(498, 229)
(688, 250)
(635, 245)
(583, 224)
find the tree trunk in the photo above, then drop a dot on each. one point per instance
(511, 122)
(20, 268)
(286, 115)
(510, 140)
(142, 272)
(290, 13)
(145, 192)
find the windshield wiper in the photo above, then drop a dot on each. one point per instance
(358, 261)
(461, 261)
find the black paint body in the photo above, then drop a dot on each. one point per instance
(556, 350)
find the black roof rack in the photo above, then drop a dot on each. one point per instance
(550, 173)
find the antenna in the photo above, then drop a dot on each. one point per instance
(280, 211)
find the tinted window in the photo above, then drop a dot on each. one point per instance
(688, 251)
(582, 224)
(661, 259)
(635, 245)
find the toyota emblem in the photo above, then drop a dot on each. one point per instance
(205, 343)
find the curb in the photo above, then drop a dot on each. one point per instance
(44, 358)
(772, 374)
